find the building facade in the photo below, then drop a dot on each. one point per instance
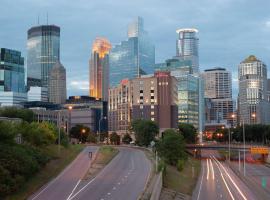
(132, 57)
(99, 69)
(252, 98)
(187, 47)
(218, 91)
(190, 95)
(12, 78)
(43, 50)
(57, 84)
(36, 93)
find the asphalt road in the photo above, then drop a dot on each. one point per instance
(218, 181)
(61, 187)
(124, 178)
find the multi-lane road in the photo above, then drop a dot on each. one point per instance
(123, 178)
(217, 181)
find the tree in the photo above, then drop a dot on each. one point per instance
(91, 138)
(126, 139)
(171, 147)
(7, 132)
(188, 131)
(80, 132)
(13, 112)
(145, 131)
(115, 138)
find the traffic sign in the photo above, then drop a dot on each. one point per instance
(259, 150)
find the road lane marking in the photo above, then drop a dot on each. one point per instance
(200, 184)
(63, 172)
(207, 177)
(224, 180)
(212, 169)
(74, 189)
(240, 192)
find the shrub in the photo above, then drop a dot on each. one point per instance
(180, 165)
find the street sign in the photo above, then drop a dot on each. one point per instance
(259, 150)
(263, 182)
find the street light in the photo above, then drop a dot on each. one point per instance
(69, 120)
(99, 127)
(59, 127)
(82, 132)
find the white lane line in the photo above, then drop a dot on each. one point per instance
(212, 169)
(99, 174)
(224, 181)
(207, 177)
(240, 192)
(200, 188)
(74, 189)
(61, 174)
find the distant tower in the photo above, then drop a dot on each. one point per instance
(252, 98)
(99, 69)
(187, 47)
(43, 50)
(57, 84)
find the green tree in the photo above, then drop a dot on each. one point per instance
(13, 112)
(7, 132)
(114, 138)
(126, 139)
(189, 132)
(91, 138)
(145, 131)
(171, 147)
(80, 132)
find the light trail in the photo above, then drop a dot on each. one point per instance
(207, 177)
(240, 192)
(212, 169)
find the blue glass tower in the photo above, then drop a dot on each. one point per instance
(133, 57)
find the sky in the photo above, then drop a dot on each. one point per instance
(229, 30)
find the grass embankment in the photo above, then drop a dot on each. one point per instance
(51, 169)
(184, 181)
(104, 156)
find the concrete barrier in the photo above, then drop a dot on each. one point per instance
(157, 188)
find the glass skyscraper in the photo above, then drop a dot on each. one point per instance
(187, 47)
(99, 69)
(12, 78)
(133, 57)
(43, 50)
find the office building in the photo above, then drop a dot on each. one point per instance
(187, 47)
(218, 91)
(99, 69)
(43, 50)
(57, 84)
(133, 57)
(252, 98)
(12, 78)
(36, 93)
(120, 107)
(190, 91)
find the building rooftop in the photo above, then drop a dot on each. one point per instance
(215, 69)
(187, 30)
(250, 59)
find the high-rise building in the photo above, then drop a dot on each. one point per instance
(99, 69)
(43, 50)
(218, 89)
(187, 47)
(12, 78)
(133, 57)
(190, 91)
(146, 97)
(252, 98)
(57, 84)
(37, 93)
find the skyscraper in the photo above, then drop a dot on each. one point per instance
(132, 57)
(57, 84)
(99, 69)
(12, 78)
(43, 50)
(218, 89)
(187, 47)
(252, 97)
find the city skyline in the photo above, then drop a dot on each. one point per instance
(211, 19)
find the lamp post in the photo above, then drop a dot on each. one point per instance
(59, 129)
(82, 132)
(69, 118)
(104, 117)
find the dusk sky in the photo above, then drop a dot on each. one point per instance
(229, 30)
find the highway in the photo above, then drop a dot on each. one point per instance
(217, 181)
(60, 187)
(124, 178)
